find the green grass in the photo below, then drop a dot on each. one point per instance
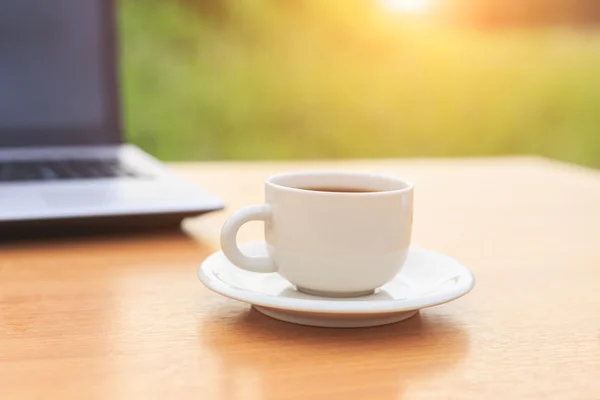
(266, 82)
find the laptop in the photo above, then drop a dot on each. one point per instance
(63, 158)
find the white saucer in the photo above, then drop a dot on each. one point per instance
(427, 279)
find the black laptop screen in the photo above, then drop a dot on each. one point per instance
(57, 78)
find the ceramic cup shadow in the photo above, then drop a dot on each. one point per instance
(295, 294)
(288, 359)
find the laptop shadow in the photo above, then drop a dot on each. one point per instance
(74, 229)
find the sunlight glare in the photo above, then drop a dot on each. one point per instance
(407, 6)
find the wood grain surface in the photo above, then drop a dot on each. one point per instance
(126, 317)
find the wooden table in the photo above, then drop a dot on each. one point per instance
(126, 318)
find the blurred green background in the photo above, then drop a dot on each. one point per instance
(278, 79)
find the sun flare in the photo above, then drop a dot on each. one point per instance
(408, 6)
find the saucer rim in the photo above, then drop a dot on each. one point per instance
(338, 306)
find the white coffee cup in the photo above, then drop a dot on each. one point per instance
(329, 243)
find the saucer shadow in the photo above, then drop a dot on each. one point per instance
(294, 361)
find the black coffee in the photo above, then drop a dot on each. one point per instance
(339, 189)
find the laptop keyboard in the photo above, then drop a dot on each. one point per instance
(51, 170)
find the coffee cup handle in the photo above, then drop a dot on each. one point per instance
(229, 239)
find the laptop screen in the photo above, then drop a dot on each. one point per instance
(56, 72)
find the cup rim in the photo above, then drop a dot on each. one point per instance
(407, 186)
